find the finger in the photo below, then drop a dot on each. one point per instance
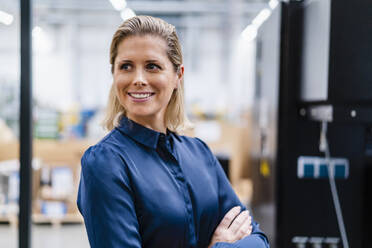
(250, 220)
(249, 232)
(244, 230)
(238, 222)
(249, 229)
(228, 218)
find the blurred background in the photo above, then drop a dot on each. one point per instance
(256, 73)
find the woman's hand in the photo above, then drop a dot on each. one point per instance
(233, 227)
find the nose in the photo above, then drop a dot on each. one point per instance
(139, 79)
(139, 83)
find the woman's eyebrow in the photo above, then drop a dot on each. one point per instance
(124, 61)
(154, 61)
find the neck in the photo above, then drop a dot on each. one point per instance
(155, 123)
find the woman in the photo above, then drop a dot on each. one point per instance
(144, 185)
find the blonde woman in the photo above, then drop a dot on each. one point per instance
(144, 184)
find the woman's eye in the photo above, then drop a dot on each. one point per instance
(125, 67)
(152, 67)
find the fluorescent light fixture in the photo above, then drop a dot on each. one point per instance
(6, 18)
(249, 33)
(273, 4)
(261, 17)
(118, 4)
(127, 13)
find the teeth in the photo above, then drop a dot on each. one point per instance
(140, 96)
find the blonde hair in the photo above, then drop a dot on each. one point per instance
(175, 116)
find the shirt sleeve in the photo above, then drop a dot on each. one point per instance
(106, 201)
(227, 200)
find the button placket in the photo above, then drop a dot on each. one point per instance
(176, 170)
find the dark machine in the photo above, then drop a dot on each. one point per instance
(324, 82)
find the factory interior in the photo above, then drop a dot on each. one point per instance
(280, 90)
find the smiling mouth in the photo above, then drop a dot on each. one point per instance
(140, 95)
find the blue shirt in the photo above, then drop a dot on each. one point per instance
(142, 188)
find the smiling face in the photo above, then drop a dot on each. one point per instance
(145, 78)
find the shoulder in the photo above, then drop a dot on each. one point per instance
(113, 144)
(102, 147)
(196, 145)
(103, 158)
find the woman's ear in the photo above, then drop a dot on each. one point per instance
(180, 72)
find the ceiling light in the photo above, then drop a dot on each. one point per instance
(127, 13)
(6, 18)
(118, 4)
(249, 33)
(261, 17)
(273, 4)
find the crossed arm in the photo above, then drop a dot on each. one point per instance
(234, 226)
(104, 192)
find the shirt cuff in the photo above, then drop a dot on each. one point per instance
(251, 241)
(224, 245)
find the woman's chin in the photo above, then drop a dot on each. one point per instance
(141, 115)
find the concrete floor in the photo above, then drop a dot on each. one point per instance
(46, 236)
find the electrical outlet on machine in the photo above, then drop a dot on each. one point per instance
(311, 167)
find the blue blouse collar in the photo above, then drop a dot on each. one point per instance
(141, 134)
